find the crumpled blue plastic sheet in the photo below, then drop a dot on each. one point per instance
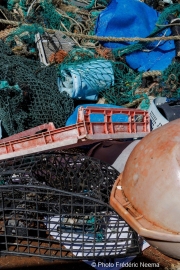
(133, 18)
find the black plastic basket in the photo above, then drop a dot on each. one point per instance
(56, 206)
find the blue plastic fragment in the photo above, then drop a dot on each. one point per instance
(134, 18)
(119, 118)
(95, 118)
(172, 99)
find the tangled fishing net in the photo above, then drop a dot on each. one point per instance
(25, 34)
(101, 69)
(29, 95)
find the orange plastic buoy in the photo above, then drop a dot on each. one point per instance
(147, 194)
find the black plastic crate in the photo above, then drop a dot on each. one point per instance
(56, 206)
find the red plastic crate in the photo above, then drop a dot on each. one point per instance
(137, 125)
(31, 131)
(84, 130)
(48, 140)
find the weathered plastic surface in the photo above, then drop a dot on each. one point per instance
(146, 194)
(85, 129)
(48, 140)
(45, 47)
(73, 117)
(163, 240)
(114, 123)
(31, 131)
(157, 119)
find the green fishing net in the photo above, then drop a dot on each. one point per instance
(50, 16)
(170, 82)
(29, 95)
(47, 16)
(11, 4)
(92, 4)
(18, 4)
(128, 86)
(125, 84)
(26, 34)
(96, 70)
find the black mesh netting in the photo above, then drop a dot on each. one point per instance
(56, 205)
(29, 94)
(65, 171)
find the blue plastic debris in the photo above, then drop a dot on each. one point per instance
(96, 117)
(133, 18)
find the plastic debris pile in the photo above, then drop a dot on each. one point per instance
(67, 69)
(108, 67)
